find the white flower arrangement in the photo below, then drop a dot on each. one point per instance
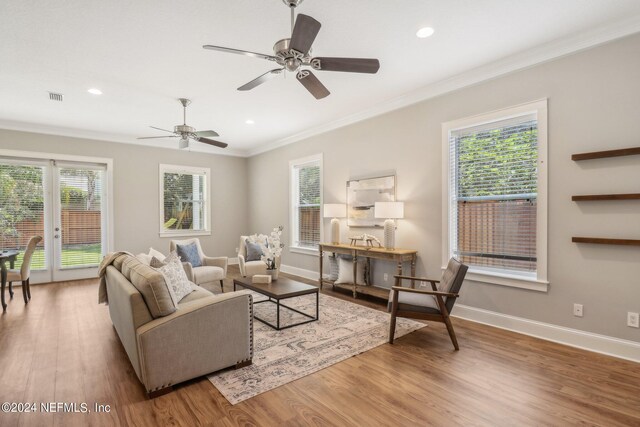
(271, 246)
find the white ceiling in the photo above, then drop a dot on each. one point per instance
(144, 54)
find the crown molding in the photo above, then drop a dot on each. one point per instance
(507, 65)
(117, 138)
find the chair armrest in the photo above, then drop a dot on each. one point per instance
(421, 291)
(220, 261)
(202, 336)
(419, 279)
(241, 265)
(188, 269)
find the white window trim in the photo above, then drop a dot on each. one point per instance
(292, 218)
(207, 197)
(537, 281)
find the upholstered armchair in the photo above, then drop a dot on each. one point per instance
(435, 304)
(212, 269)
(251, 268)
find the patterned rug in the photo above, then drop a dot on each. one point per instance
(344, 330)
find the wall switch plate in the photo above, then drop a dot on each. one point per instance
(633, 319)
(577, 310)
(386, 277)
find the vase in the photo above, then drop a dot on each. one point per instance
(273, 273)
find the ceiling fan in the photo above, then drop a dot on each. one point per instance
(292, 54)
(185, 132)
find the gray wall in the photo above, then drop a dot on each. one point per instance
(594, 104)
(136, 188)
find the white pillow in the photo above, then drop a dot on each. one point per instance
(175, 277)
(345, 272)
(159, 255)
(144, 258)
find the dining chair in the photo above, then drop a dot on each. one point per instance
(435, 304)
(23, 274)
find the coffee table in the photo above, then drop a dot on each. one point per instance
(278, 290)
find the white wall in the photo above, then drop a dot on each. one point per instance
(594, 104)
(136, 188)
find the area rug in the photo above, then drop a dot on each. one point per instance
(344, 330)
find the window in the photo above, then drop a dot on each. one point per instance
(306, 198)
(496, 195)
(184, 201)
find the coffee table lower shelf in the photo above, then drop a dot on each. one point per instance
(277, 326)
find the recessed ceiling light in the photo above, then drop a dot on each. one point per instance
(250, 122)
(425, 32)
(95, 91)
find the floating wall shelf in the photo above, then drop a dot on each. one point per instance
(590, 197)
(603, 154)
(601, 241)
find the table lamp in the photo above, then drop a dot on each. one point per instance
(335, 211)
(389, 211)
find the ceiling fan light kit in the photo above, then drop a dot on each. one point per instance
(294, 53)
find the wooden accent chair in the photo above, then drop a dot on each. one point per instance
(23, 274)
(428, 305)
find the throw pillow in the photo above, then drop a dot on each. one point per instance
(189, 253)
(345, 272)
(156, 254)
(144, 258)
(157, 295)
(254, 250)
(175, 276)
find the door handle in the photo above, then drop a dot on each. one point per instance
(56, 236)
(57, 229)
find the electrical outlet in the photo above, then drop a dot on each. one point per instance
(633, 319)
(422, 284)
(577, 310)
(386, 277)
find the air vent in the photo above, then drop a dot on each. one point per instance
(56, 96)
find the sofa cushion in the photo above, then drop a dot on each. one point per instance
(189, 253)
(197, 293)
(254, 251)
(151, 284)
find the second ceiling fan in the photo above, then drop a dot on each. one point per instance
(292, 54)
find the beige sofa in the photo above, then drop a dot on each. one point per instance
(251, 268)
(204, 334)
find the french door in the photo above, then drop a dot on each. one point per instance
(65, 202)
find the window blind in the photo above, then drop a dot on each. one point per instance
(80, 213)
(22, 209)
(306, 178)
(493, 194)
(184, 201)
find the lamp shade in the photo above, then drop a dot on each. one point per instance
(335, 210)
(390, 210)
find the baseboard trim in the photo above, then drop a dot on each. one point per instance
(616, 347)
(300, 272)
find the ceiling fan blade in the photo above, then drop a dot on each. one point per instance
(212, 142)
(240, 52)
(207, 133)
(349, 65)
(312, 84)
(155, 137)
(263, 78)
(304, 33)
(164, 130)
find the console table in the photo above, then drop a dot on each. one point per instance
(399, 256)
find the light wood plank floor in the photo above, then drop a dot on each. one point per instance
(63, 348)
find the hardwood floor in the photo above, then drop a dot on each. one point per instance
(62, 348)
